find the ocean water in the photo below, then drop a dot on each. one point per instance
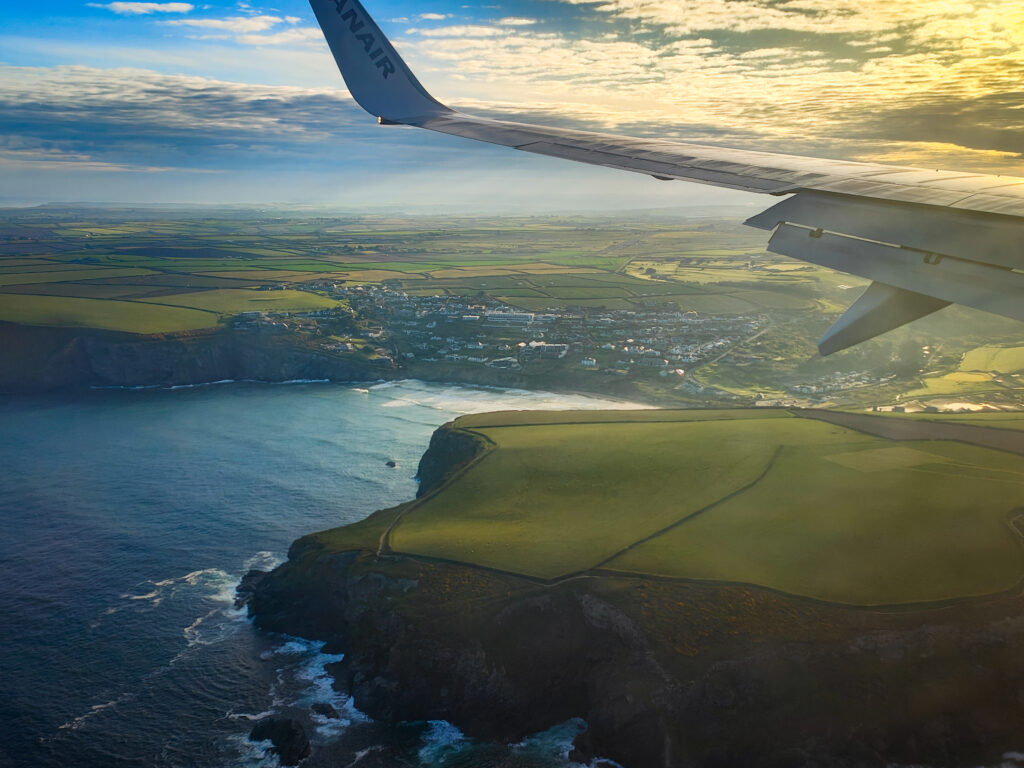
(127, 519)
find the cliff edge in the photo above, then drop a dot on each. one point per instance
(666, 672)
(43, 359)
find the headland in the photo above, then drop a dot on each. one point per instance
(703, 588)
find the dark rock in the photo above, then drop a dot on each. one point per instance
(42, 359)
(314, 607)
(449, 451)
(665, 673)
(695, 675)
(326, 710)
(392, 463)
(248, 586)
(287, 735)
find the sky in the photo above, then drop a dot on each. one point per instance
(241, 103)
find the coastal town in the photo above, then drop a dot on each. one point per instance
(691, 313)
(658, 346)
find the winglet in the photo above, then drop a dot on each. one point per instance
(375, 74)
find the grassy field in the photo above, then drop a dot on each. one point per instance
(858, 524)
(503, 508)
(109, 315)
(232, 302)
(958, 383)
(746, 496)
(68, 275)
(527, 262)
(1002, 359)
(639, 262)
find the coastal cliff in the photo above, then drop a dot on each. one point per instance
(664, 672)
(449, 451)
(35, 359)
(41, 359)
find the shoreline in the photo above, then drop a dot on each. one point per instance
(612, 402)
(43, 359)
(663, 671)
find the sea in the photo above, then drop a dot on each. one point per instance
(127, 518)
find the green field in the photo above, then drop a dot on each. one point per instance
(559, 262)
(109, 315)
(641, 262)
(67, 275)
(1002, 359)
(234, 301)
(958, 383)
(757, 497)
(921, 521)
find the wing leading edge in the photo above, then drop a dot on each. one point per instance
(925, 238)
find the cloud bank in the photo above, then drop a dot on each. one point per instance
(935, 84)
(144, 9)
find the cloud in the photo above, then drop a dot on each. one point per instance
(79, 119)
(433, 16)
(139, 117)
(139, 9)
(236, 24)
(463, 30)
(79, 133)
(811, 16)
(857, 79)
(56, 160)
(284, 37)
(246, 30)
(835, 78)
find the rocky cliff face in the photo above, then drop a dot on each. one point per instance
(666, 673)
(37, 359)
(450, 449)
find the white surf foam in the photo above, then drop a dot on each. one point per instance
(248, 716)
(213, 585)
(218, 585)
(441, 740)
(95, 709)
(363, 753)
(303, 680)
(262, 561)
(252, 754)
(460, 399)
(129, 389)
(555, 742)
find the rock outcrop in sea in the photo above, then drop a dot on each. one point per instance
(288, 737)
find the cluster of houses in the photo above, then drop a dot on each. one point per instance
(841, 382)
(395, 326)
(484, 331)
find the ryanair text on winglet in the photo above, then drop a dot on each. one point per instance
(354, 25)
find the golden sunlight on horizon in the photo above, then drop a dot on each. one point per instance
(927, 83)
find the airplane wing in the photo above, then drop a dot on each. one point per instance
(926, 239)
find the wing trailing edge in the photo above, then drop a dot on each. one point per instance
(909, 252)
